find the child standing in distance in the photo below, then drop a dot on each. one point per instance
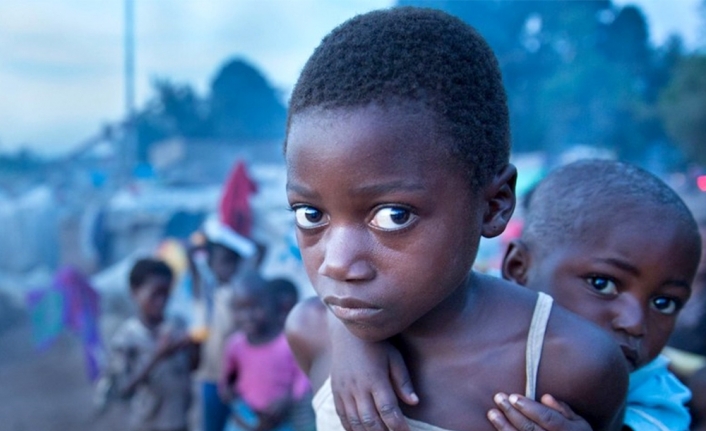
(258, 365)
(397, 153)
(227, 255)
(151, 359)
(287, 296)
(584, 243)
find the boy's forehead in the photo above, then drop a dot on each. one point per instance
(590, 219)
(407, 121)
(390, 141)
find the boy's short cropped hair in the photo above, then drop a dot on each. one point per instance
(571, 196)
(418, 55)
(144, 268)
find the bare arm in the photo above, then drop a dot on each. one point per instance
(167, 346)
(366, 379)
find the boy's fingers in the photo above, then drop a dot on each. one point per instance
(359, 414)
(520, 419)
(543, 415)
(342, 412)
(387, 407)
(499, 421)
(370, 417)
(401, 381)
(562, 407)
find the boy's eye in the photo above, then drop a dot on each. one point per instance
(603, 285)
(392, 218)
(308, 217)
(666, 305)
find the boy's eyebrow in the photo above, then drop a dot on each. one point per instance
(301, 190)
(376, 189)
(634, 271)
(679, 283)
(621, 265)
(372, 189)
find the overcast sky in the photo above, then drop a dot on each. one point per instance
(61, 62)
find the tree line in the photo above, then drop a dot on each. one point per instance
(576, 72)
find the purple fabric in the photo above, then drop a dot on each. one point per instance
(80, 314)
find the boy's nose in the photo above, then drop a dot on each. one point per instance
(346, 253)
(629, 316)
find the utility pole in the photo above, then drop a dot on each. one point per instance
(129, 150)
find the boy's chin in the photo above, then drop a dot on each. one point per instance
(367, 333)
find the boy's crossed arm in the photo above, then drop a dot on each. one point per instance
(366, 399)
(367, 379)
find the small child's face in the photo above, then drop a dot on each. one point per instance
(630, 274)
(223, 262)
(250, 314)
(387, 227)
(151, 297)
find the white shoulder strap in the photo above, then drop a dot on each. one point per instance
(535, 341)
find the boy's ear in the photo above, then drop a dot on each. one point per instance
(516, 262)
(500, 196)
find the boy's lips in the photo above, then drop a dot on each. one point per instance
(349, 309)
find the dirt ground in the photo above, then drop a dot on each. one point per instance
(48, 390)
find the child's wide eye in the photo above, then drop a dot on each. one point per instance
(603, 285)
(666, 305)
(392, 218)
(308, 217)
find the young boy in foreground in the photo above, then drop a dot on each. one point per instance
(397, 154)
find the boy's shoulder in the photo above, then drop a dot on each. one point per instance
(583, 366)
(580, 362)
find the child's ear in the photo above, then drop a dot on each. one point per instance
(516, 262)
(500, 195)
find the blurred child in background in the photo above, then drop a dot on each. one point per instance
(259, 371)
(227, 255)
(224, 252)
(286, 294)
(151, 358)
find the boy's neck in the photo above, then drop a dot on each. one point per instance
(444, 317)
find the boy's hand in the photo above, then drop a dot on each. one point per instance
(168, 345)
(517, 413)
(366, 379)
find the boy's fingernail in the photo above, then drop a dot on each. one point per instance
(493, 415)
(413, 396)
(501, 400)
(514, 399)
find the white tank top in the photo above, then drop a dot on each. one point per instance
(327, 419)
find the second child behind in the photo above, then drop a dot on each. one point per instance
(260, 375)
